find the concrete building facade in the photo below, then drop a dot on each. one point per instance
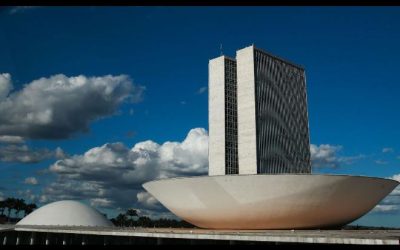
(262, 126)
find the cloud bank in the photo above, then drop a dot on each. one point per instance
(11, 139)
(31, 181)
(111, 175)
(23, 154)
(17, 152)
(391, 203)
(59, 106)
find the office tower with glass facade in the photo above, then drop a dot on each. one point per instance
(258, 119)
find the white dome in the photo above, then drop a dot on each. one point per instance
(66, 213)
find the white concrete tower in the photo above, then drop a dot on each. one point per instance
(223, 158)
(246, 108)
(216, 116)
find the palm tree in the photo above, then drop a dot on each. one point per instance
(145, 221)
(29, 208)
(2, 207)
(132, 213)
(19, 206)
(10, 205)
(120, 220)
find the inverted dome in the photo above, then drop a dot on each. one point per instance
(283, 201)
(66, 213)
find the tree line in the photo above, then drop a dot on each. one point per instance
(131, 219)
(17, 205)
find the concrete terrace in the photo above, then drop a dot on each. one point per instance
(194, 236)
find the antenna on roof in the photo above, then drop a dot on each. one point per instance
(220, 48)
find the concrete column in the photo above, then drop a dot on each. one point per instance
(83, 240)
(64, 242)
(32, 241)
(216, 116)
(17, 242)
(5, 240)
(105, 240)
(47, 239)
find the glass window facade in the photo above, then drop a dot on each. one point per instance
(231, 133)
(281, 116)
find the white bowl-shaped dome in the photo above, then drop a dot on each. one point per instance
(66, 213)
(285, 201)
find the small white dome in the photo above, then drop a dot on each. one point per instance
(66, 213)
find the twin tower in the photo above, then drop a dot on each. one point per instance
(258, 119)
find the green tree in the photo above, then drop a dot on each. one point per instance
(2, 207)
(19, 206)
(10, 205)
(120, 220)
(131, 213)
(29, 208)
(145, 221)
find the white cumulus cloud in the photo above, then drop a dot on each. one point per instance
(386, 208)
(5, 85)
(59, 153)
(391, 203)
(23, 154)
(327, 156)
(28, 195)
(31, 181)
(387, 150)
(202, 90)
(101, 202)
(112, 174)
(381, 162)
(11, 139)
(147, 200)
(59, 106)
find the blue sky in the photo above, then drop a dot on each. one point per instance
(350, 55)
